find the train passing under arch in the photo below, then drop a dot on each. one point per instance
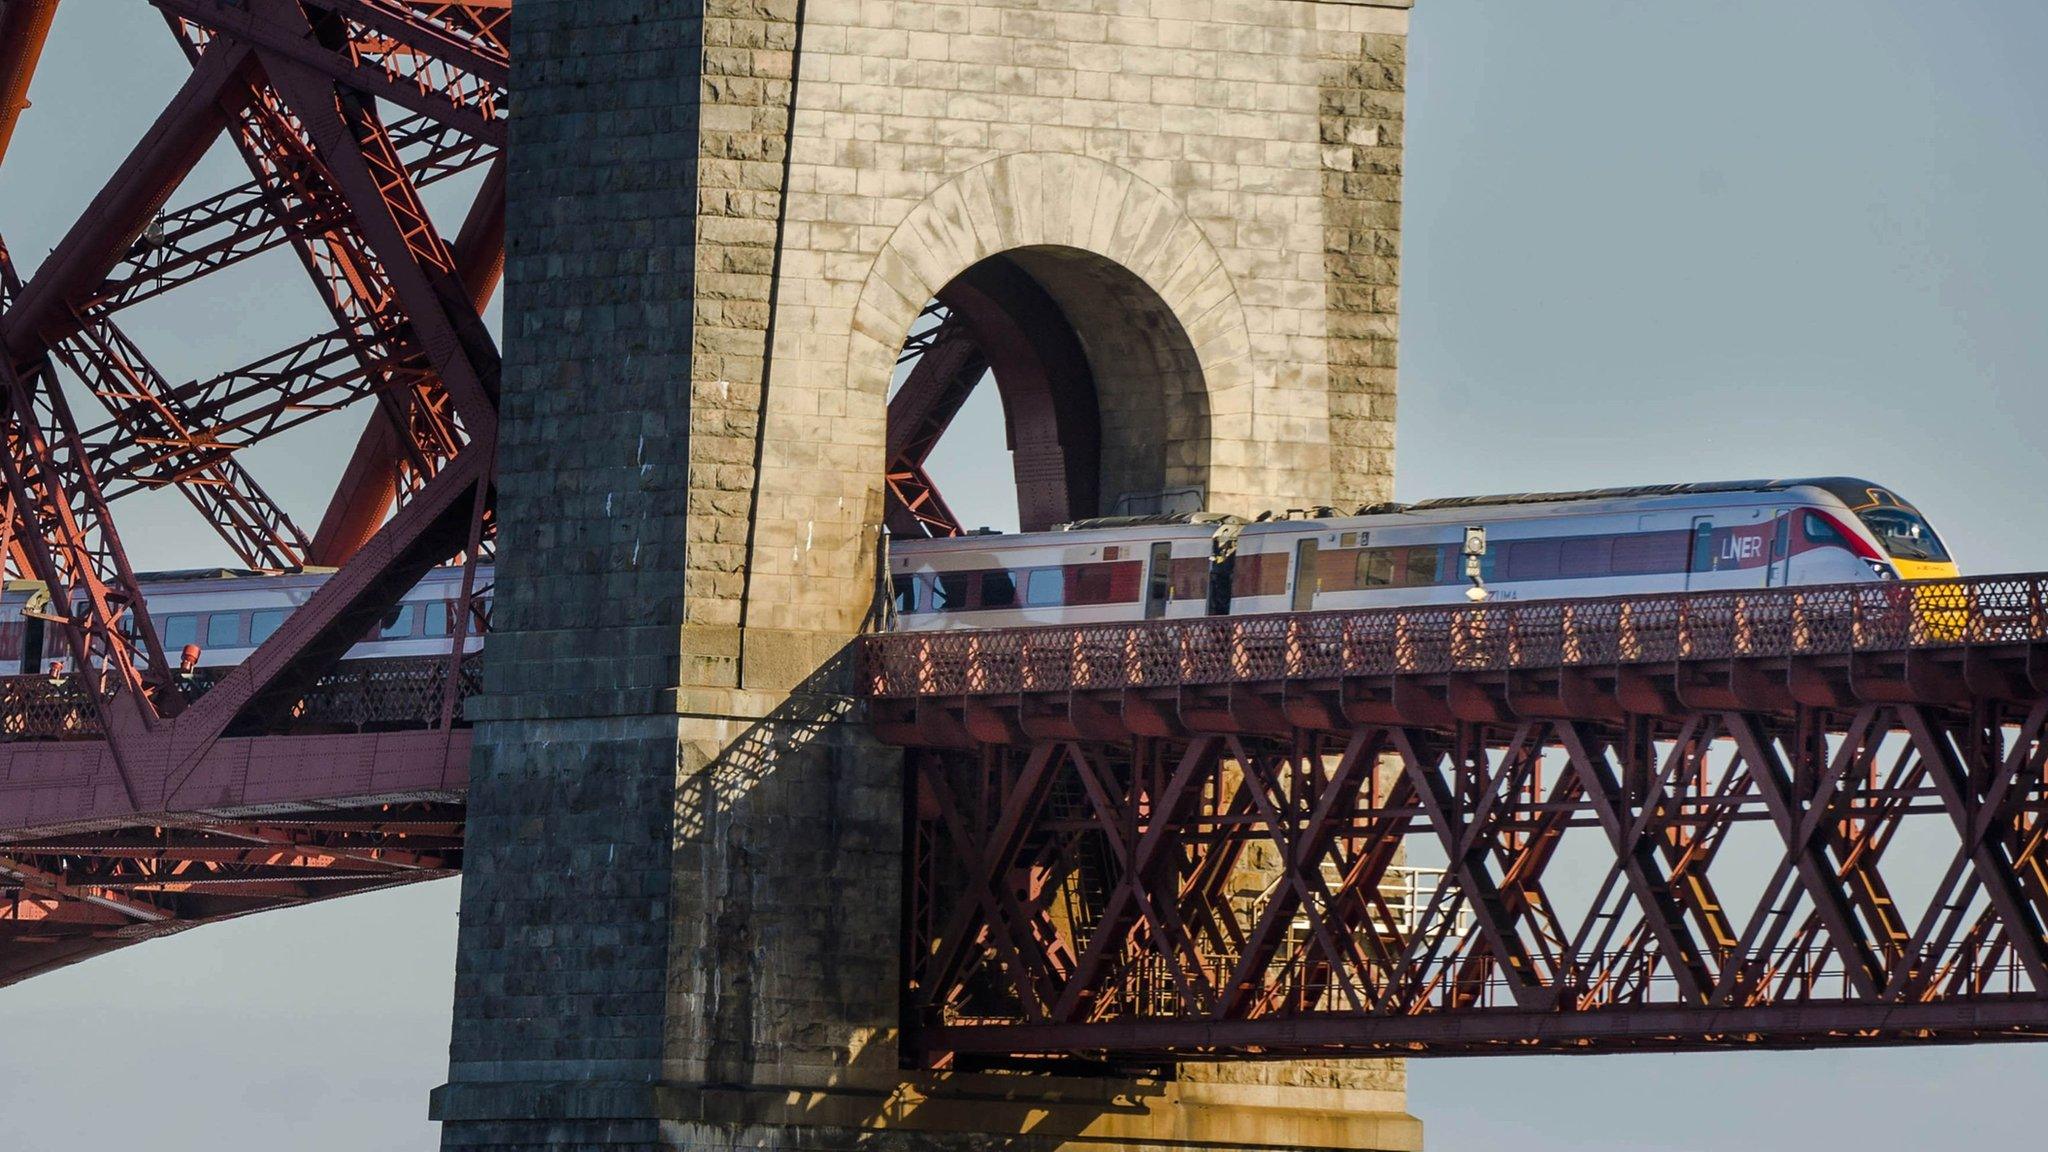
(1560, 545)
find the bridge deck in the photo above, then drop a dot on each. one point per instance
(364, 790)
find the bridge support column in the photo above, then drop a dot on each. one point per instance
(682, 890)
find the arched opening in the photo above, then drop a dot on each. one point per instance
(1104, 407)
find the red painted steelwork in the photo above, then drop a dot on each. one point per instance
(69, 897)
(127, 747)
(946, 364)
(363, 788)
(1665, 823)
(995, 321)
(24, 26)
(295, 88)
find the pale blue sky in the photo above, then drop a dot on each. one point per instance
(1645, 241)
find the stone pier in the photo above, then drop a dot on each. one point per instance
(682, 881)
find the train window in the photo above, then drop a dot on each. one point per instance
(1306, 583)
(437, 619)
(1651, 553)
(1191, 578)
(1116, 583)
(1581, 557)
(1376, 568)
(1088, 584)
(264, 623)
(180, 631)
(397, 623)
(1421, 567)
(1044, 587)
(1819, 531)
(224, 630)
(1532, 560)
(903, 590)
(998, 590)
(1259, 574)
(1703, 546)
(949, 592)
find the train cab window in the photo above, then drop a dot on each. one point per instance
(903, 591)
(1045, 588)
(1904, 534)
(180, 631)
(224, 630)
(397, 623)
(998, 590)
(949, 592)
(264, 623)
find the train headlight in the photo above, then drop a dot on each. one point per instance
(1884, 571)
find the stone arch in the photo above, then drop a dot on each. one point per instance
(1147, 295)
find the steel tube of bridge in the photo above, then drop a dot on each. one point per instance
(24, 26)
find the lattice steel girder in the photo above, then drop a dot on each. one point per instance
(1065, 846)
(196, 117)
(227, 228)
(333, 182)
(184, 449)
(69, 898)
(456, 80)
(1792, 818)
(62, 524)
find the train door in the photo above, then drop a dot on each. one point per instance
(31, 645)
(1702, 565)
(1305, 576)
(1779, 572)
(1159, 588)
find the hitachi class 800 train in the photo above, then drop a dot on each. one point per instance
(1609, 542)
(1539, 546)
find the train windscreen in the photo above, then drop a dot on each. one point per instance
(1898, 526)
(1904, 533)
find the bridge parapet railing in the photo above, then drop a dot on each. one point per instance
(358, 695)
(1801, 621)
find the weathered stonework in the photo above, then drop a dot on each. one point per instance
(678, 911)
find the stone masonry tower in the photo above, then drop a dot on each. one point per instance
(680, 910)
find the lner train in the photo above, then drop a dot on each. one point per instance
(1611, 542)
(1539, 546)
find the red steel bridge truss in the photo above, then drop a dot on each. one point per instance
(135, 800)
(1801, 817)
(1790, 818)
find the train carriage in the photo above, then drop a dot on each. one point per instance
(1106, 570)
